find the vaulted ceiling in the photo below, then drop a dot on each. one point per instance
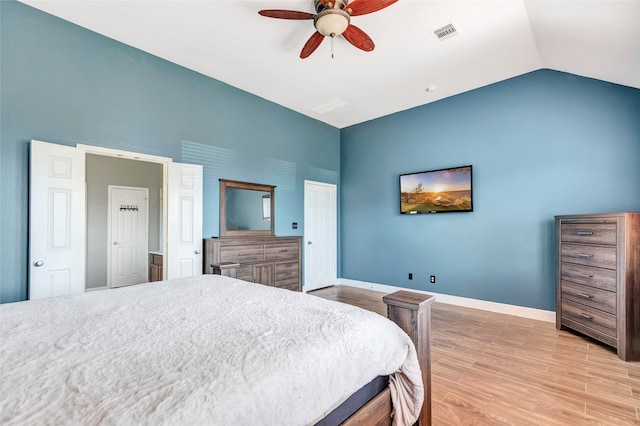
(495, 40)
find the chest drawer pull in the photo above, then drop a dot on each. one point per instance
(284, 251)
(585, 295)
(585, 255)
(586, 275)
(586, 233)
(585, 316)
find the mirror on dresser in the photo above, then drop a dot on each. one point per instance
(247, 248)
(246, 209)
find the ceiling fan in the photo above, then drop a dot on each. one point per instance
(333, 18)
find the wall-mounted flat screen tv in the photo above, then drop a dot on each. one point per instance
(437, 191)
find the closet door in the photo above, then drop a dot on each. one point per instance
(184, 221)
(320, 234)
(56, 220)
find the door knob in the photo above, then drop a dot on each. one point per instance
(38, 263)
(115, 243)
(308, 243)
(198, 252)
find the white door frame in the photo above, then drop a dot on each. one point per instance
(333, 277)
(129, 155)
(110, 189)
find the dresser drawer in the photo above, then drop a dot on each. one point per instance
(291, 266)
(242, 253)
(245, 273)
(603, 257)
(590, 296)
(589, 233)
(281, 251)
(590, 317)
(589, 275)
(286, 271)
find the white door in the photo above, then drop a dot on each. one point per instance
(184, 221)
(56, 220)
(129, 235)
(320, 235)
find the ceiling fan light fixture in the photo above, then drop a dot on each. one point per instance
(332, 22)
(333, 19)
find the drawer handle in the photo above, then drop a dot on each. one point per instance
(244, 254)
(585, 295)
(585, 316)
(585, 233)
(584, 255)
(585, 275)
(284, 251)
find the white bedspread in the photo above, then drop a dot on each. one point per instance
(207, 350)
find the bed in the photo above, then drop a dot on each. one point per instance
(202, 350)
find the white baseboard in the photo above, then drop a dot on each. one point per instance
(501, 308)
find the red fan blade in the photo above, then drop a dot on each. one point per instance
(362, 7)
(286, 14)
(358, 38)
(311, 45)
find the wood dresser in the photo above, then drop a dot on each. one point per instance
(274, 261)
(598, 279)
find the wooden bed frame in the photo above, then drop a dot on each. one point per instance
(412, 312)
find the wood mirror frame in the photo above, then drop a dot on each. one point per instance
(224, 230)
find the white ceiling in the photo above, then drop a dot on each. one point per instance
(229, 41)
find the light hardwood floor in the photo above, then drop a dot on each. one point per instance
(495, 369)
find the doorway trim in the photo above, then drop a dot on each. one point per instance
(130, 155)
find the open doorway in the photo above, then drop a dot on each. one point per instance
(102, 171)
(58, 229)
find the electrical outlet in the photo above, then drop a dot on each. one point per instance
(432, 279)
(410, 276)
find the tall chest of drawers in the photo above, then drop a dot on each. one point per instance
(273, 261)
(598, 278)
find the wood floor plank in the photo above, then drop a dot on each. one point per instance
(612, 417)
(494, 369)
(610, 388)
(528, 393)
(446, 414)
(466, 406)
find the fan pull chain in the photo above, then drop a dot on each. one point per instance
(332, 47)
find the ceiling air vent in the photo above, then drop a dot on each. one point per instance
(329, 106)
(445, 32)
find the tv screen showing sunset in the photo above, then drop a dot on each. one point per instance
(437, 191)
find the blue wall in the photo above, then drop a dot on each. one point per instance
(64, 84)
(542, 144)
